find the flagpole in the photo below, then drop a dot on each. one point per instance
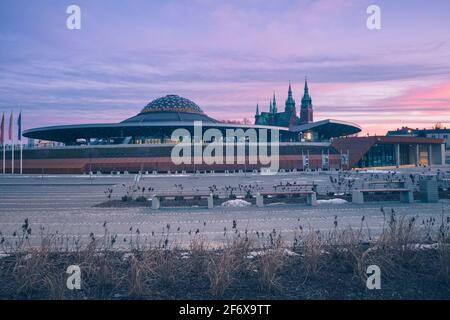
(4, 157)
(13, 141)
(21, 148)
(20, 140)
(3, 142)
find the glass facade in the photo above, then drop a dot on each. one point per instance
(153, 140)
(378, 156)
(405, 154)
(381, 155)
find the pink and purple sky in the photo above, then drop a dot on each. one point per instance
(226, 56)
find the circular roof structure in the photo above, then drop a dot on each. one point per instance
(171, 108)
(172, 103)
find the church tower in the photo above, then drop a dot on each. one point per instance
(306, 109)
(290, 102)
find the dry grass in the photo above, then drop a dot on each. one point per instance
(142, 272)
(221, 270)
(444, 262)
(198, 248)
(313, 245)
(223, 266)
(255, 263)
(271, 263)
(443, 248)
(399, 233)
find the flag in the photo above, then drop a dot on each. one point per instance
(2, 130)
(19, 127)
(10, 127)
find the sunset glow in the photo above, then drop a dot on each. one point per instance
(227, 57)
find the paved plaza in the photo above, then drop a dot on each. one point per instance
(66, 205)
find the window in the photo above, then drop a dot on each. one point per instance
(378, 156)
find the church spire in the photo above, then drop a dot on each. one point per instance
(306, 100)
(290, 102)
(257, 109)
(274, 104)
(306, 86)
(306, 109)
(270, 107)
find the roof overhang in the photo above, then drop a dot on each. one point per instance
(328, 128)
(69, 133)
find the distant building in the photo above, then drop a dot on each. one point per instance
(145, 142)
(288, 117)
(437, 133)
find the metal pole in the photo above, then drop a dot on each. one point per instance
(12, 149)
(20, 141)
(21, 157)
(4, 158)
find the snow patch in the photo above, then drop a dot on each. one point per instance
(290, 253)
(275, 204)
(254, 254)
(236, 203)
(419, 246)
(127, 256)
(332, 201)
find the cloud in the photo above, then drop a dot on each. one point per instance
(224, 56)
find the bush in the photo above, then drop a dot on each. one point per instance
(127, 198)
(141, 199)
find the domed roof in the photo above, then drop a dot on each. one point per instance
(172, 103)
(171, 108)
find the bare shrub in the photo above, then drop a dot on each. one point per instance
(444, 249)
(55, 283)
(198, 249)
(101, 271)
(220, 271)
(142, 272)
(400, 232)
(240, 248)
(166, 267)
(354, 252)
(444, 262)
(312, 244)
(271, 262)
(29, 271)
(350, 241)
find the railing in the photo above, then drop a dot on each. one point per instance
(8, 147)
(93, 146)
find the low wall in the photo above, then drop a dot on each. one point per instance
(152, 158)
